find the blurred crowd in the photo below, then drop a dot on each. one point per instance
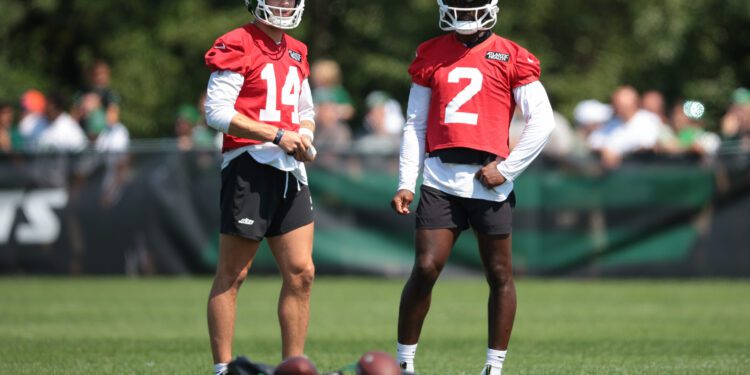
(635, 123)
(335, 135)
(55, 122)
(89, 119)
(629, 123)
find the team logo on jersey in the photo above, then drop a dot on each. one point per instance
(504, 57)
(295, 55)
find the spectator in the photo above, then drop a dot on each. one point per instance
(187, 117)
(560, 143)
(32, 106)
(333, 136)
(590, 115)
(631, 130)
(58, 131)
(735, 125)
(216, 138)
(203, 136)
(381, 121)
(379, 103)
(561, 140)
(10, 137)
(326, 77)
(96, 105)
(653, 101)
(113, 138)
(692, 137)
(331, 132)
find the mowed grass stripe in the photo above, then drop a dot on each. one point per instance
(156, 326)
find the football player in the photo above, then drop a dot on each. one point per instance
(465, 86)
(259, 97)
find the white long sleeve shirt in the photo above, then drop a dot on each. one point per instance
(63, 134)
(222, 93)
(459, 179)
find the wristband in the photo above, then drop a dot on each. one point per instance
(279, 135)
(309, 133)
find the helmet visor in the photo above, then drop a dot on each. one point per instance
(467, 17)
(282, 17)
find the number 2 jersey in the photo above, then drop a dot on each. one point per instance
(274, 75)
(464, 97)
(472, 99)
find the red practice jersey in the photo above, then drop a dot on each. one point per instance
(273, 77)
(472, 90)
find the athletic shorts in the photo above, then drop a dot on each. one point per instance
(439, 210)
(258, 200)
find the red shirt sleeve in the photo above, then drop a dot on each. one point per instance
(228, 53)
(305, 63)
(527, 68)
(420, 69)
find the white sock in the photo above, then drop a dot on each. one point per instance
(405, 356)
(495, 358)
(219, 368)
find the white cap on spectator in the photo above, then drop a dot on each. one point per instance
(592, 111)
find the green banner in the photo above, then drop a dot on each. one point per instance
(565, 222)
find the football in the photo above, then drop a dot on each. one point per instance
(296, 366)
(377, 363)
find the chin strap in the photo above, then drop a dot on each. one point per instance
(477, 38)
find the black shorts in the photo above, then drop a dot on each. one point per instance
(258, 200)
(439, 210)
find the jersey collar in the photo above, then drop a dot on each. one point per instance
(479, 42)
(263, 41)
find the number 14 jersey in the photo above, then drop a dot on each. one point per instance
(472, 90)
(273, 73)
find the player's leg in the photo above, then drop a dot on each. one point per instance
(246, 190)
(495, 251)
(492, 224)
(293, 254)
(440, 220)
(235, 257)
(433, 247)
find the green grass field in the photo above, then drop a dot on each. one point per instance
(157, 326)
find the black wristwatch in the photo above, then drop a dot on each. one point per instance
(279, 135)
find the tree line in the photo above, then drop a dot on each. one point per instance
(694, 49)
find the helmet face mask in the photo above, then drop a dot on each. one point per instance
(467, 17)
(276, 16)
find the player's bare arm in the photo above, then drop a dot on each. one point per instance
(490, 176)
(306, 123)
(291, 142)
(309, 125)
(401, 201)
(306, 131)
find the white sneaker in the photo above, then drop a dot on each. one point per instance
(405, 369)
(489, 370)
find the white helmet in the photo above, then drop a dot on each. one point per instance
(272, 15)
(453, 15)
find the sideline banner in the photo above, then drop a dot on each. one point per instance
(139, 213)
(147, 213)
